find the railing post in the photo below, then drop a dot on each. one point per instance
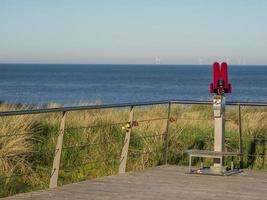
(166, 148)
(56, 162)
(240, 137)
(125, 149)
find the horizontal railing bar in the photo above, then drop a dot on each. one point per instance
(193, 119)
(14, 176)
(30, 153)
(246, 103)
(79, 108)
(148, 136)
(141, 153)
(95, 126)
(191, 102)
(229, 103)
(22, 134)
(261, 139)
(114, 124)
(107, 106)
(152, 119)
(86, 145)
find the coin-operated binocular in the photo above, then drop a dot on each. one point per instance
(219, 86)
(220, 83)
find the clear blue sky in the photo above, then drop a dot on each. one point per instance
(136, 31)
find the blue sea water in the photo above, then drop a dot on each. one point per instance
(71, 84)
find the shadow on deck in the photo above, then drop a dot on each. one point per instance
(163, 182)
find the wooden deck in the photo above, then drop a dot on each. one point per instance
(164, 182)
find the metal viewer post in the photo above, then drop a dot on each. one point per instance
(219, 86)
(219, 127)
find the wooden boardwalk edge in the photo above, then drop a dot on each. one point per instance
(163, 182)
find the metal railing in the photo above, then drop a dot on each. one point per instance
(128, 127)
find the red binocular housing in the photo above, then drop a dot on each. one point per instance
(220, 83)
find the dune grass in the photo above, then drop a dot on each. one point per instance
(93, 141)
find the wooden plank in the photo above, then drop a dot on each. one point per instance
(56, 162)
(165, 182)
(166, 148)
(125, 148)
(241, 162)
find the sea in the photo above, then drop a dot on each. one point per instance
(74, 84)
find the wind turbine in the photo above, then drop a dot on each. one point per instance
(157, 60)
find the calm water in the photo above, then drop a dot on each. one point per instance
(71, 84)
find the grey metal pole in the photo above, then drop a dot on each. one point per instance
(125, 149)
(166, 149)
(240, 137)
(56, 162)
(219, 128)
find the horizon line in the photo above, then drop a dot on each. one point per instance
(172, 64)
